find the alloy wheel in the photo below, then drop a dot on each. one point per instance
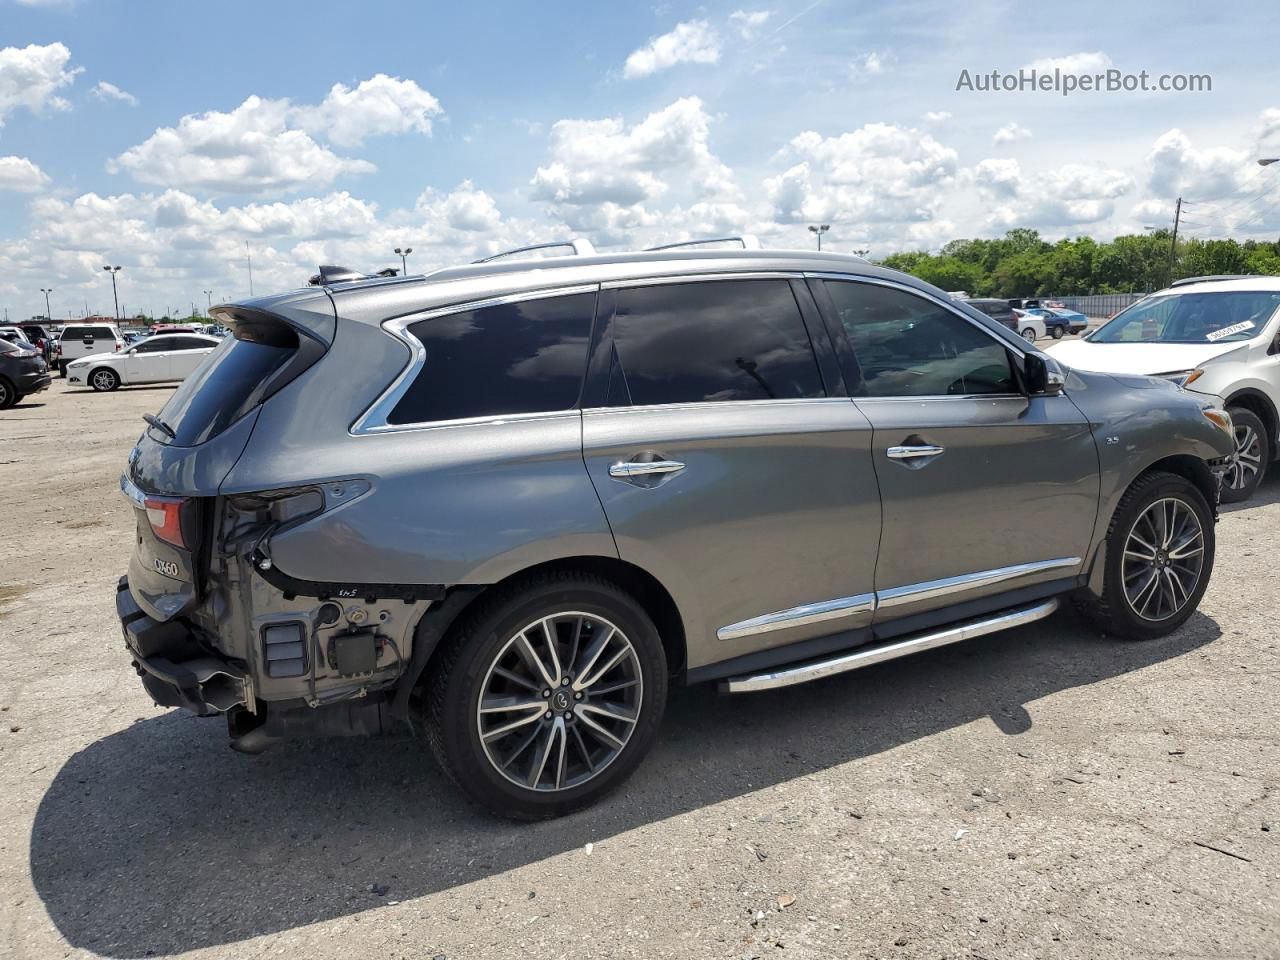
(103, 380)
(1163, 559)
(1248, 458)
(1029, 335)
(4, 395)
(560, 701)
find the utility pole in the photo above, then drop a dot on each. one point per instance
(1173, 244)
(249, 262)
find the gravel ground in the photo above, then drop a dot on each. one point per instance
(1042, 792)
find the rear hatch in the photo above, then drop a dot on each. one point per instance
(186, 451)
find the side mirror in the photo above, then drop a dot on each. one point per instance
(1042, 378)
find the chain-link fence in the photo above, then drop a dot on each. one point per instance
(1098, 306)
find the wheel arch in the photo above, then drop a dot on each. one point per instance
(657, 601)
(1258, 403)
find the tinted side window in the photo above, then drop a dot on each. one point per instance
(191, 343)
(524, 357)
(155, 345)
(714, 340)
(910, 347)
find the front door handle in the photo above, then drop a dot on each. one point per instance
(626, 469)
(914, 451)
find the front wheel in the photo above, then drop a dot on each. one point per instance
(1253, 453)
(8, 395)
(1029, 335)
(1058, 332)
(1159, 556)
(104, 379)
(547, 695)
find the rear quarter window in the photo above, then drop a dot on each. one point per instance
(523, 357)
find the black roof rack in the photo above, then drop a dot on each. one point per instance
(1208, 279)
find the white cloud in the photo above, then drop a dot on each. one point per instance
(749, 22)
(1068, 196)
(605, 162)
(937, 116)
(1010, 133)
(379, 106)
(252, 149)
(31, 77)
(109, 91)
(1078, 63)
(879, 174)
(694, 41)
(999, 176)
(21, 175)
(871, 64)
(1176, 167)
(466, 208)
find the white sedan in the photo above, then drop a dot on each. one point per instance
(158, 359)
(1030, 326)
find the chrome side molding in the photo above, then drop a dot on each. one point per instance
(799, 616)
(930, 589)
(866, 656)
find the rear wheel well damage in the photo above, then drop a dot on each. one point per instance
(1259, 404)
(437, 621)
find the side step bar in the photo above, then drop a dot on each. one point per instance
(866, 656)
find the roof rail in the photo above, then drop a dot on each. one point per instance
(748, 241)
(580, 246)
(1217, 276)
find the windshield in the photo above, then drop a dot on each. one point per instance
(1192, 318)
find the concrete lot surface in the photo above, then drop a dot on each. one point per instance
(1039, 793)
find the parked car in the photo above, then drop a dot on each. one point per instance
(43, 337)
(518, 499)
(175, 328)
(13, 334)
(1030, 325)
(1055, 326)
(1214, 338)
(1076, 322)
(157, 359)
(998, 310)
(22, 372)
(86, 340)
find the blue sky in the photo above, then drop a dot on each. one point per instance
(162, 136)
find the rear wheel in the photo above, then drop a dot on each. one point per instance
(1029, 335)
(8, 395)
(547, 695)
(104, 379)
(1159, 558)
(62, 368)
(1253, 453)
(1058, 331)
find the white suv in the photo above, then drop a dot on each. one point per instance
(1214, 335)
(86, 339)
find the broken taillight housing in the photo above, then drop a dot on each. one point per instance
(165, 516)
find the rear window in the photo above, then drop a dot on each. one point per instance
(88, 333)
(711, 341)
(7, 347)
(523, 357)
(228, 384)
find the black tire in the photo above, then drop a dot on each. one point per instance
(62, 368)
(1253, 442)
(8, 394)
(1058, 331)
(466, 661)
(104, 379)
(1113, 612)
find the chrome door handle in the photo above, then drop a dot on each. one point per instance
(910, 453)
(625, 469)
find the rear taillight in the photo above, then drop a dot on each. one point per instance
(165, 517)
(118, 346)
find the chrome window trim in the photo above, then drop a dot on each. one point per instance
(922, 294)
(131, 492)
(799, 616)
(700, 278)
(931, 589)
(714, 404)
(374, 419)
(895, 596)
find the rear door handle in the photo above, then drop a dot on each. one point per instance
(625, 469)
(917, 450)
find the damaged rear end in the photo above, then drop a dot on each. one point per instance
(211, 625)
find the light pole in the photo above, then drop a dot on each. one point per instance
(404, 259)
(48, 311)
(114, 295)
(819, 230)
(208, 300)
(860, 253)
(1267, 161)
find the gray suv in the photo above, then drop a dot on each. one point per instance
(510, 503)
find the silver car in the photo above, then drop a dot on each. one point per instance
(514, 501)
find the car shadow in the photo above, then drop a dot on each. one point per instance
(130, 387)
(158, 839)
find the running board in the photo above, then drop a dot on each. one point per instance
(866, 656)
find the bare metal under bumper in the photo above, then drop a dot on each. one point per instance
(866, 656)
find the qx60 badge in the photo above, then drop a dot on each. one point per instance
(167, 567)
